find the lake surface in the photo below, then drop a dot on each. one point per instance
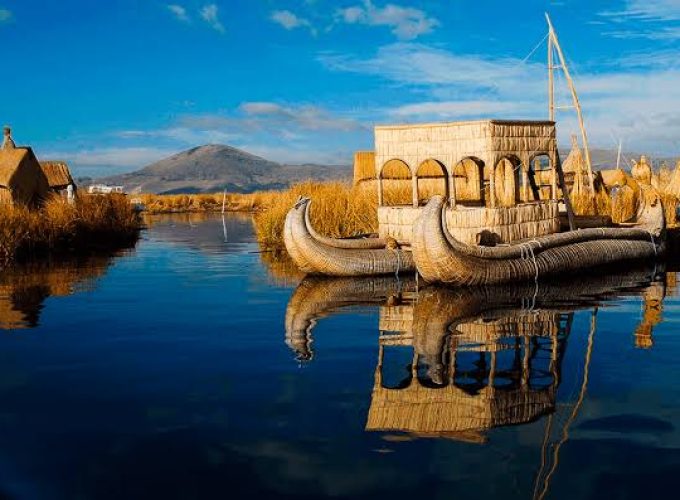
(196, 367)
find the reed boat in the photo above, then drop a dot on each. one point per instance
(351, 257)
(441, 258)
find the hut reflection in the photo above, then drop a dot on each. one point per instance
(471, 368)
(24, 288)
(455, 363)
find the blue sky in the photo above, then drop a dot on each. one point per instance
(112, 86)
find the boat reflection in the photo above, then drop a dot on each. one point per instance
(24, 288)
(455, 363)
(318, 297)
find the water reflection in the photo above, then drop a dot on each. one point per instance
(457, 363)
(24, 289)
(318, 297)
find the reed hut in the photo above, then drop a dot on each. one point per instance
(22, 180)
(58, 176)
(482, 168)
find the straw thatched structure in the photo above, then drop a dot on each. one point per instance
(484, 171)
(439, 257)
(494, 148)
(316, 254)
(22, 181)
(58, 176)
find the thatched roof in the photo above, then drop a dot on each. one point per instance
(57, 173)
(10, 160)
(21, 174)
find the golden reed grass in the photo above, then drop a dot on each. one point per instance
(205, 202)
(105, 221)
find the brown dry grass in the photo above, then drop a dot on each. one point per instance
(338, 209)
(92, 222)
(183, 203)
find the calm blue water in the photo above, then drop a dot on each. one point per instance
(190, 368)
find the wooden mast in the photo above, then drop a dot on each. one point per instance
(551, 78)
(554, 42)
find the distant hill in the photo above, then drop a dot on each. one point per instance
(217, 167)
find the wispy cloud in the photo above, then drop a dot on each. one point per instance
(5, 15)
(211, 15)
(647, 10)
(290, 132)
(179, 12)
(636, 100)
(457, 109)
(422, 65)
(645, 19)
(117, 157)
(407, 23)
(305, 117)
(290, 21)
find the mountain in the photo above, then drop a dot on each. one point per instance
(217, 167)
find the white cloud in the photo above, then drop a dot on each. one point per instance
(179, 12)
(637, 100)
(112, 157)
(291, 21)
(407, 23)
(5, 15)
(457, 109)
(210, 14)
(421, 65)
(647, 10)
(183, 135)
(646, 19)
(305, 117)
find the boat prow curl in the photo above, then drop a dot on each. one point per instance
(316, 254)
(439, 257)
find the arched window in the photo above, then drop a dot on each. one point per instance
(431, 179)
(506, 181)
(394, 183)
(468, 175)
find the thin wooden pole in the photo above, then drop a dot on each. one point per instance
(618, 156)
(224, 200)
(551, 79)
(557, 167)
(553, 36)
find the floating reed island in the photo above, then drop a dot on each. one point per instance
(42, 212)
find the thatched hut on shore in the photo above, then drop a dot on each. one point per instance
(58, 176)
(22, 180)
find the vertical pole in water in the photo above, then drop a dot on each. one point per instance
(618, 156)
(224, 200)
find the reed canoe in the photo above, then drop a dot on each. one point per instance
(353, 257)
(440, 258)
